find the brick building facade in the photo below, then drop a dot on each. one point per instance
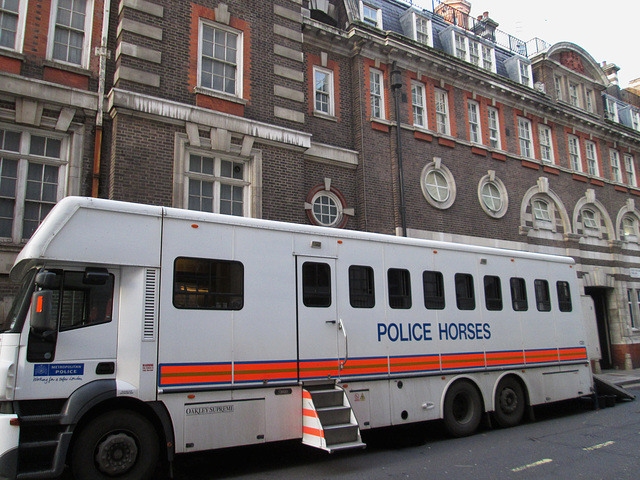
(286, 110)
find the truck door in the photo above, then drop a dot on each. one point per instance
(317, 315)
(80, 346)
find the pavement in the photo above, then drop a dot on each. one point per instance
(622, 378)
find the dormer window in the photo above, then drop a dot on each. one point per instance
(468, 48)
(525, 74)
(423, 30)
(612, 109)
(417, 27)
(371, 15)
(519, 70)
(461, 47)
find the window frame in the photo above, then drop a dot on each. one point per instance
(435, 283)
(218, 181)
(316, 295)
(591, 154)
(519, 300)
(630, 169)
(239, 60)
(493, 124)
(18, 35)
(441, 100)
(573, 148)
(545, 137)
(493, 293)
(209, 262)
(377, 94)
(338, 205)
(614, 158)
(574, 94)
(465, 291)
(86, 32)
(420, 33)
(329, 83)
(366, 20)
(475, 125)
(399, 288)
(366, 285)
(525, 141)
(419, 105)
(563, 290)
(24, 159)
(524, 73)
(543, 297)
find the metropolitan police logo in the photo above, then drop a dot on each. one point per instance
(40, 370)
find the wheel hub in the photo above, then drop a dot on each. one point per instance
(116, 454)
(508, 401)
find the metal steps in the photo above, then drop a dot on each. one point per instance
(328, 421)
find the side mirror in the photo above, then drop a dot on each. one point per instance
(48, 280)
(96, 276)
(42, 319)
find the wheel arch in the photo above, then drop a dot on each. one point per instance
(516, 376)
(155, 412)
(457, 379)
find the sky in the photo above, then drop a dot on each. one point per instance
(606, 32)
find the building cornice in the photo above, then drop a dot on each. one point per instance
(167, 111)
(47, 92)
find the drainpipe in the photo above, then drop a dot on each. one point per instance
(396, 86)
(103, 53)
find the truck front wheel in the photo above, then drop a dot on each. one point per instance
(120, 444)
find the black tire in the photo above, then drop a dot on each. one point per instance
(510, 403)
(116, 445)
(462, 409)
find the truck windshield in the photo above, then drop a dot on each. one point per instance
(15, 318)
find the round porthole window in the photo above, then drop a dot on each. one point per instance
(326, 207)
(493, 196)
(438, 185)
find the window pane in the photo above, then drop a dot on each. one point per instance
(437, 186)
(361, 289)
(543, 300)
(316, 284)
(84, 304)
(399, 288)
(325, 210)
(519, 295)
(433, 288)
(492, 293)
(465, 295)
(208, 284)
(564, 296)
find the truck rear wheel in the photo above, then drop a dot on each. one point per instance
(462, 409)
(121, 444)
(509, 403)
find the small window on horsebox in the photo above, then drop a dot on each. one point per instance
(519, 295)
(465, 295)
(206, 284)
(492, 293)
(433, 287)
(361, 291)
(564, 296)
(316, 284)
(399, 288)
(543, 300)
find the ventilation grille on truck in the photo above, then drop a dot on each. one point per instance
(150, 306)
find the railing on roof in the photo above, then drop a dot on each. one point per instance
(478, 26)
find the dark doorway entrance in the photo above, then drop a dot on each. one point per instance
(600, 302)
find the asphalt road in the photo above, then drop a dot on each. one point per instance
(567, 441)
